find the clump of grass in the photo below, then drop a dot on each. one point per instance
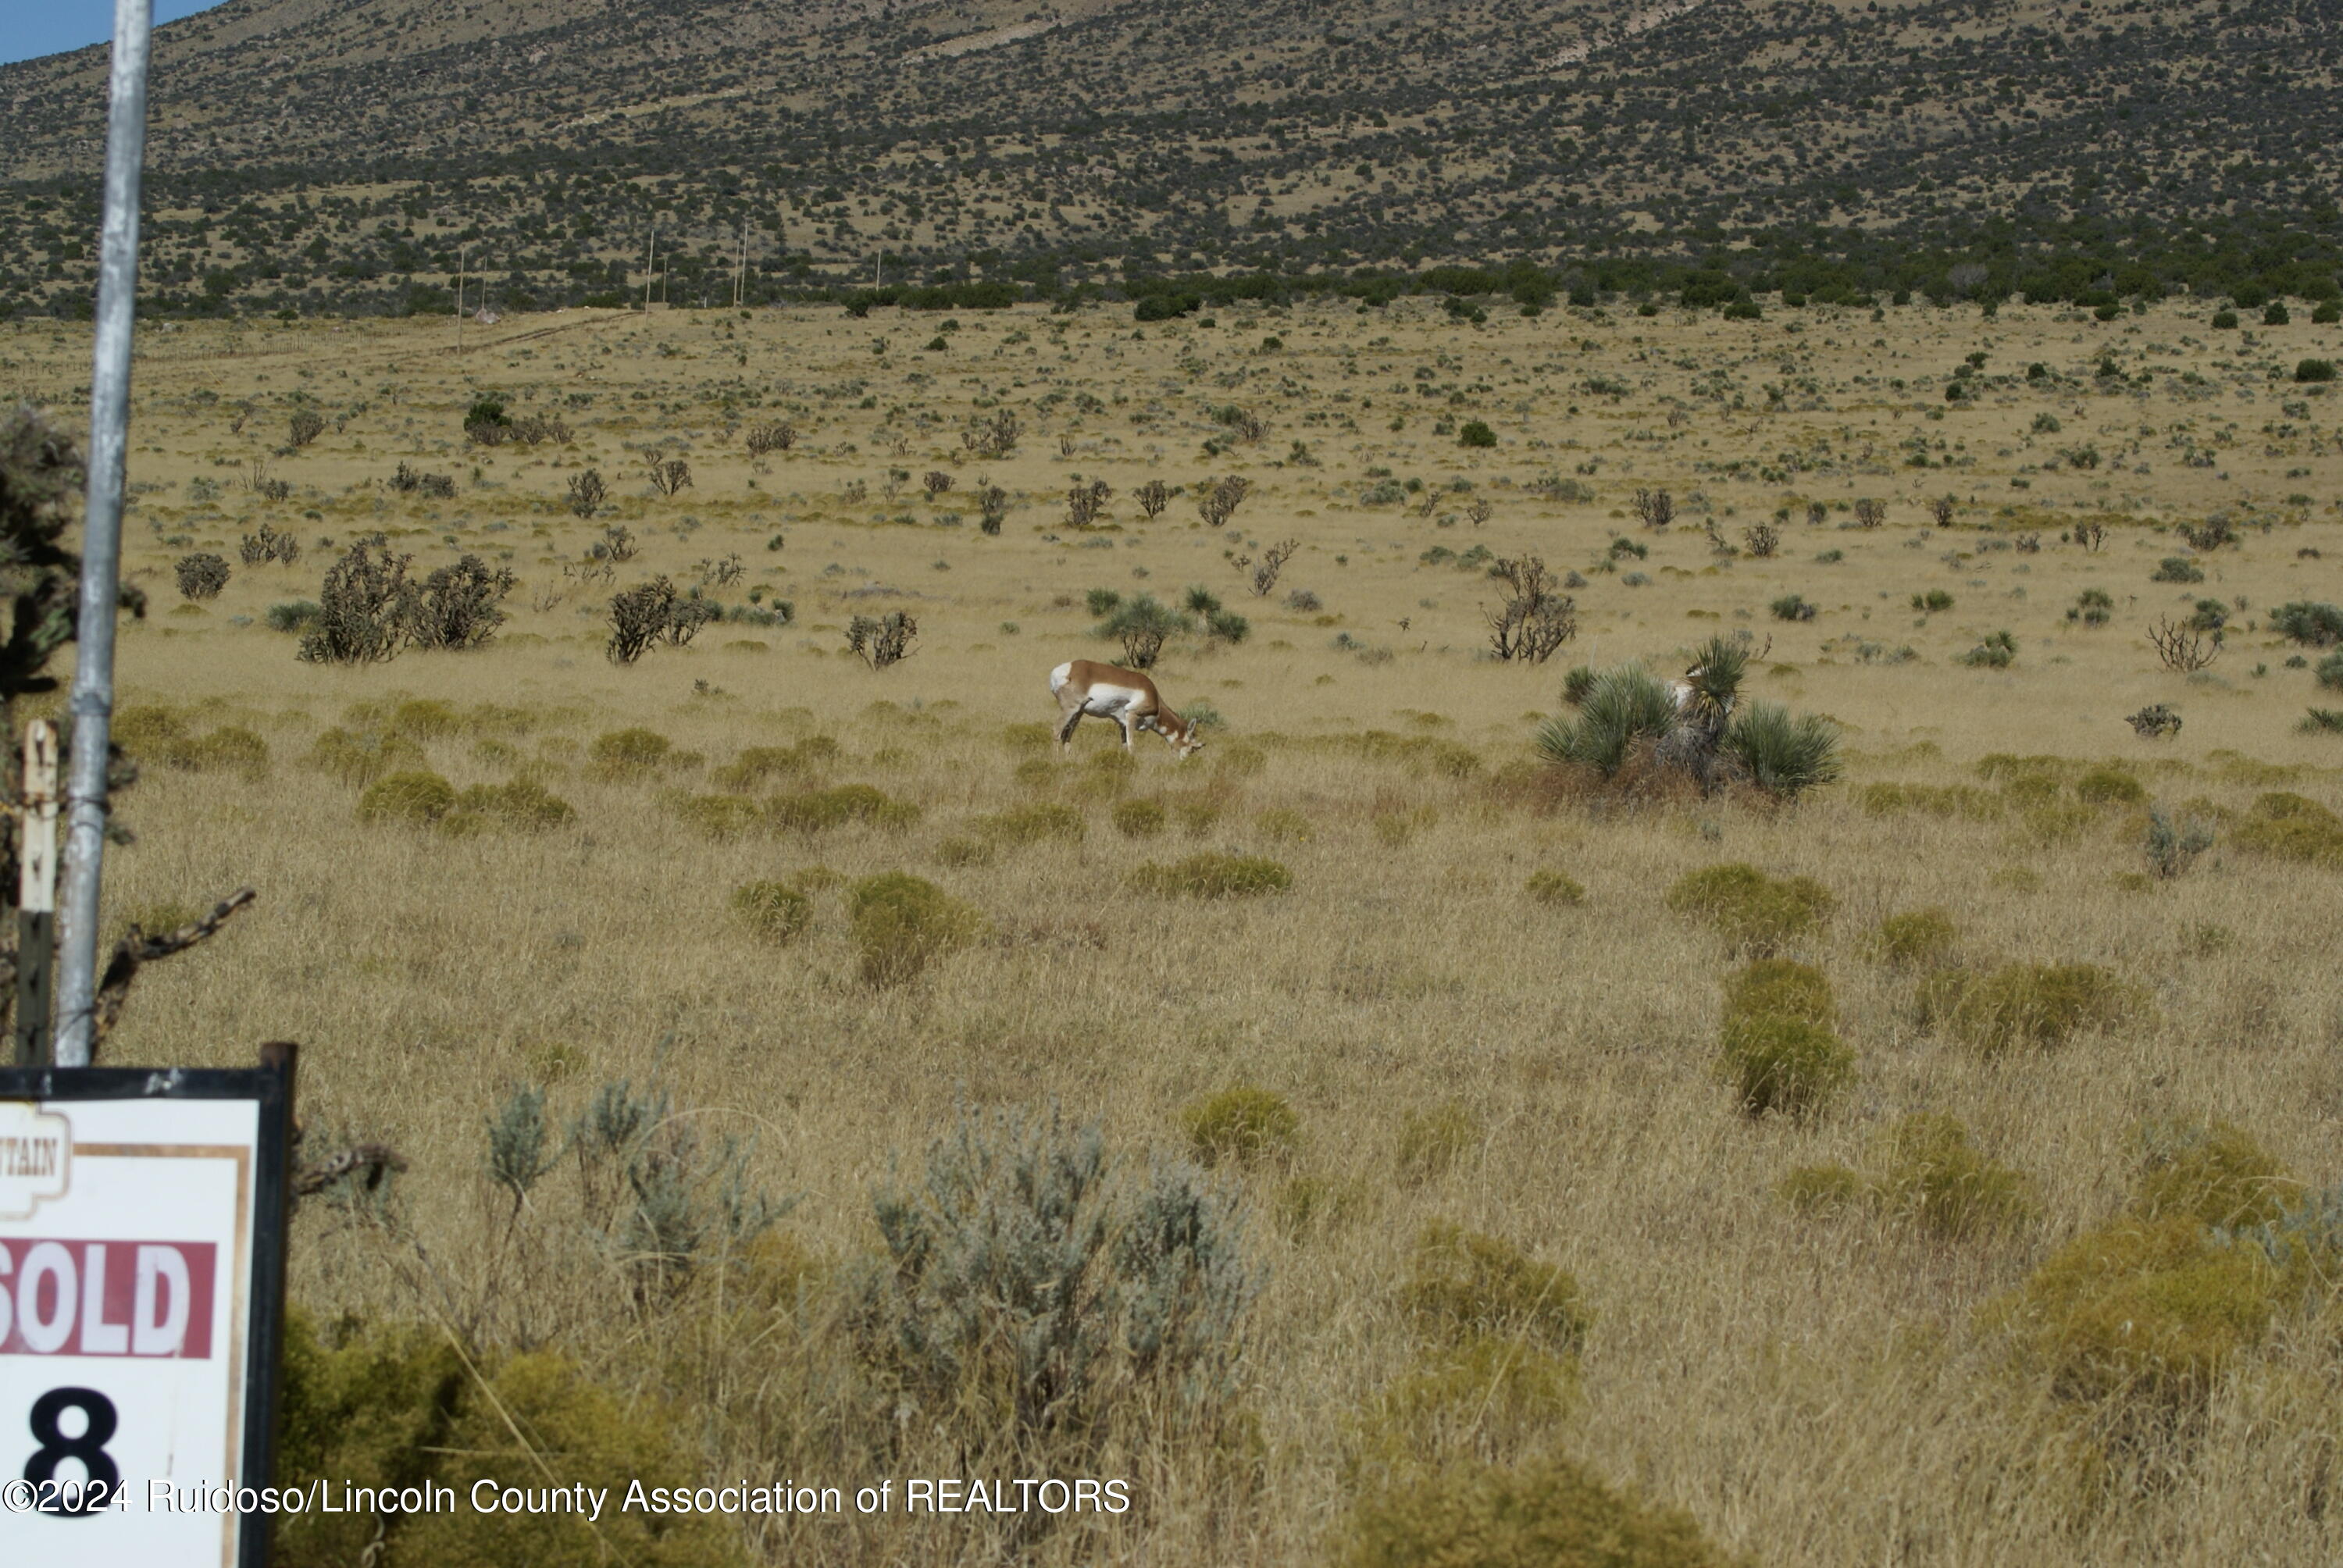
(1284, 825)
(1465, 1284)
(1548, 1511)
(1751, 909)
(2034, 1005)
(1033, 824)
(1431, 1142)
(2139, 1316)
(416, 798)
(1212, 875)
(1885, 800)
(362, 757)
(390, 1405)
(631, 753)
(773, 912)
(1785, 1064)
(1923, 1168)
(2109, 786)
(523, 804)
(717, 816)
(1555, 890)
(2212, 1172)
(2311, 624)
(1916, 939)
(814, 810)
(1138, 818)
(759, 765)
(2292, 828)
(901, 923)
(1243, 1126)
(1780, 988)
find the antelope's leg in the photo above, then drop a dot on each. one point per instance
(1066, 730)
(1122, 717)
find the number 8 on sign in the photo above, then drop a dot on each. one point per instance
(101, 1479)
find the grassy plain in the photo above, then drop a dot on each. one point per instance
(1814, 1389)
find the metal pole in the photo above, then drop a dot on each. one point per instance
(91, 703)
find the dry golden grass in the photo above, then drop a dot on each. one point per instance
(1813, 1389)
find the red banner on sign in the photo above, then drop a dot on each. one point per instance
(67, 1298)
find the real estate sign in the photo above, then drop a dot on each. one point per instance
(142, 1238)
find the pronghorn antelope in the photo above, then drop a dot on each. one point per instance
(1088, 689)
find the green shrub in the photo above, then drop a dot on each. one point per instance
(717, 816)
(2109, 786)
(900, 922)
(1923, 1168)
(1032, 824)
(1792, 607)
(2310, 624)
(813, 811)
(1038, 1298)
(1785, 1064)
(1811, 1187)
(1546, 1514)
(1781, 755)
(630, 753)
(2321, 721)
(1138, 818)
(1624, 706)
(1929, 1170)
(2223, 321)
(417, 797)
(1431, 1142)
(1464, 1284)
(1751, 909)
(1998, 651)
(1284, 825)
(758, 765)
(524, 804)
(773, 911)
(1213, 876)
(1242, 1125)
(2329, 672)
(1555, 890)
(2293, 827)
(2036, 1005)
(1483, 1394)
(2214, 1173)
(1917, 937)
(396, 1407)
(2144, 1313)
(293, 615)
(2315, 370)
(1476, 434)
(1780, 988)
(361, 757)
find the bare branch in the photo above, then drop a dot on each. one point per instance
(136, 948)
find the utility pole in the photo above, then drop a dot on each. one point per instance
(91, 699)
(651, 266)
(460, 255)
(741, 273)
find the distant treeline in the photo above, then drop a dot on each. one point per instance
(2290, 262)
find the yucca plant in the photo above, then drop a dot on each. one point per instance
(1780, 754)
(1623, 706)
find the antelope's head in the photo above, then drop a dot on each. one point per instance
(1184, 735)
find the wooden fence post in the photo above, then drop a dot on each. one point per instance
(36, 893)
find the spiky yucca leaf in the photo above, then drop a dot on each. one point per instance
(1624, 705)
(1782, 755)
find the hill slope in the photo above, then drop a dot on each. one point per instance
(307, 151)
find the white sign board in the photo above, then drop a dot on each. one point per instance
(140, 1277)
